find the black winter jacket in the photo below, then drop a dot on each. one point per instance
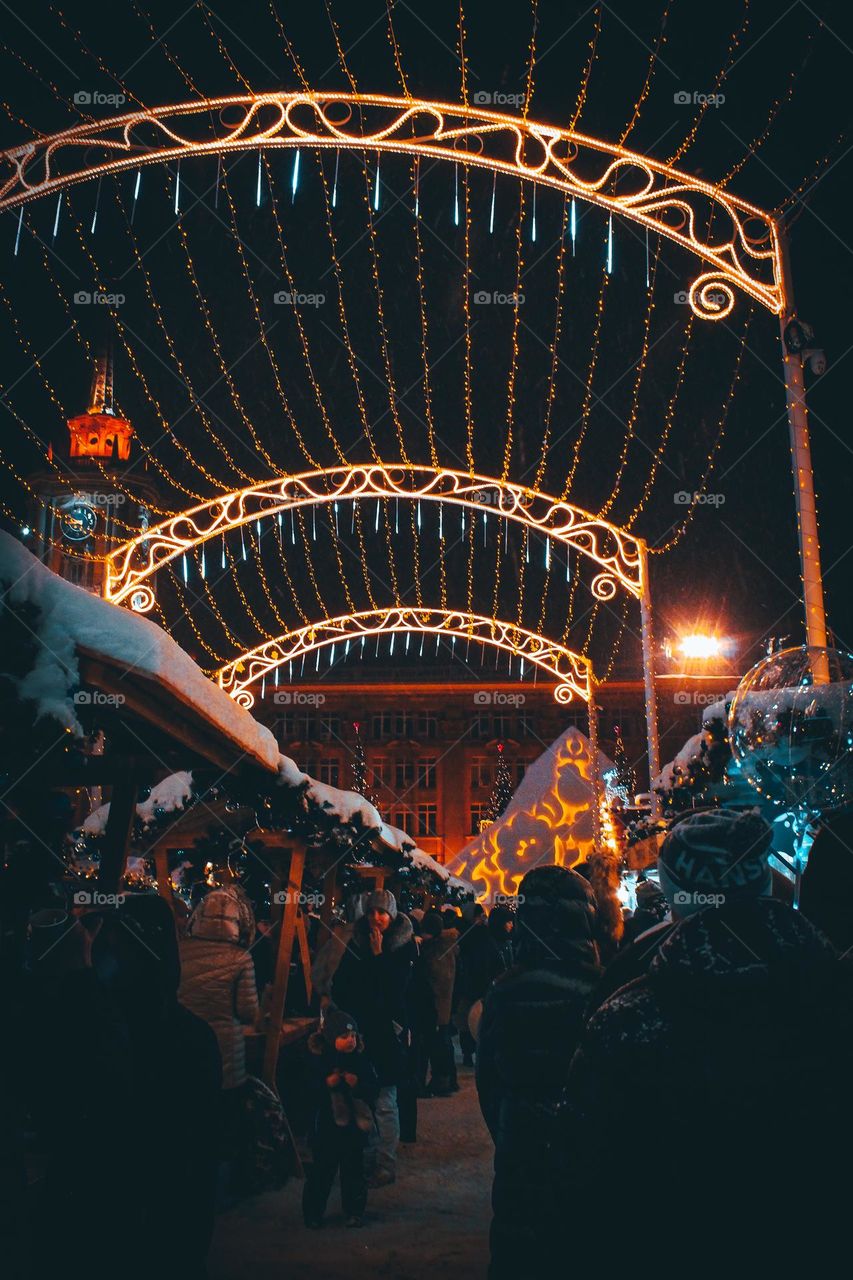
(374, 990)
(730, 1058)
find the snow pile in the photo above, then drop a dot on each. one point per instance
(550, 819)
(692, 749)
(71, 619)
(167, 796)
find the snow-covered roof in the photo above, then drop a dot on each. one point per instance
(72, 621)
(167, 796)
(549, 819)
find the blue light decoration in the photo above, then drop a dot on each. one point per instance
(332, 655)
(408, 638)
(258, 183)
(419, 516)
(352, 517)
(18, 231)
(492, 209)
(573, 225)
(294, 181)
(391, 646)
(222, 558)
(178, 188)
(186, 568)
(258, 528)
(275, 676)
(527, 550)
(648, 280)
(547, 553)
(363, 638)
(263, 685)
(95, 210)
(376, 189)
(441, 521)
(456, 194)
(313, 524)
(335, 510)
(376, 521)
(317, 663)
(56, 219)
(417, 187)
(485, 526)
(346, 647)
(203, 564)
(421, 652)
(610, 245)
(335, 182)
(279, 524)
(533, 217)
(568, 566)
(243, 540)
(137, 187)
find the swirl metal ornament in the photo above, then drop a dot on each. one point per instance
(572, 671)
(617, 553)
(741, 244)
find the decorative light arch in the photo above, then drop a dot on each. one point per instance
(572, 671)
(742, 250)
(619, 555)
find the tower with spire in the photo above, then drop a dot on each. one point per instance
(93, 499)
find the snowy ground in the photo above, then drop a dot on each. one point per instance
(433, 1222)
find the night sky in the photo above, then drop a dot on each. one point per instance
(197, 298)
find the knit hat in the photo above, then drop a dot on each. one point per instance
(380, 900)
(337, 1023)
(713, 856)
(556, 917)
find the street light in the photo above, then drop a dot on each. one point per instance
(698, 645)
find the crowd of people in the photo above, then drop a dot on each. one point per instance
(681, 1067)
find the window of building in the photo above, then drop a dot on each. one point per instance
(404, 820)
(519, 768)
(404, 774)
(403, 725)
(502, 726)
(481, 726)
(330, 770)
(427, 819)
(478, 813)
(330, 728)
(481, 772)
(381, 771)
(525, 725)
(426, 772)
(381, 725)
(427, 725)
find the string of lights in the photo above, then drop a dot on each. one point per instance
(668, 423)
(650, 73)
(710, 98)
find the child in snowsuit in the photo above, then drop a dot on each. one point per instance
(346, 1089)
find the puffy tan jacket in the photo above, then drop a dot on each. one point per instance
(218, 978)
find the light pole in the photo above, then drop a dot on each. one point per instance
(801, 461)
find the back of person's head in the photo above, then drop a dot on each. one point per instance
(225, 915)
(451, 918)
(432, 924)
(136, 952)
(499, 917)
(715, 856)
(556, 918)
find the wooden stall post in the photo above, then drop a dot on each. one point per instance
(286, 936)
(117, 833)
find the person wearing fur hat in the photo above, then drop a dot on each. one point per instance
(371, 981)
(345, 1094)
(738, 1041)
(532, 1021)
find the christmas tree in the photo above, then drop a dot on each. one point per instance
(360, 783)
(624, 772)
(503, 788)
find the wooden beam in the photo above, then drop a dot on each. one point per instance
(304, 953)
(117, 834)
(284, 954)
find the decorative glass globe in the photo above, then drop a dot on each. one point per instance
(791, 728)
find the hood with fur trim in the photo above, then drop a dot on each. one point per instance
(398, 933)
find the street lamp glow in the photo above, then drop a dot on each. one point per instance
(700, 646)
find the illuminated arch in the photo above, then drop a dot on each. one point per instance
(571, 670)
(619, 555)
(745, 255)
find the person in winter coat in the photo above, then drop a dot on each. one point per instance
(705, 855)
(345, 1094)
(738, 1043)
(371, 982)
(218, 977)
(436, 972)
(479, 963)
(531, 1024)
